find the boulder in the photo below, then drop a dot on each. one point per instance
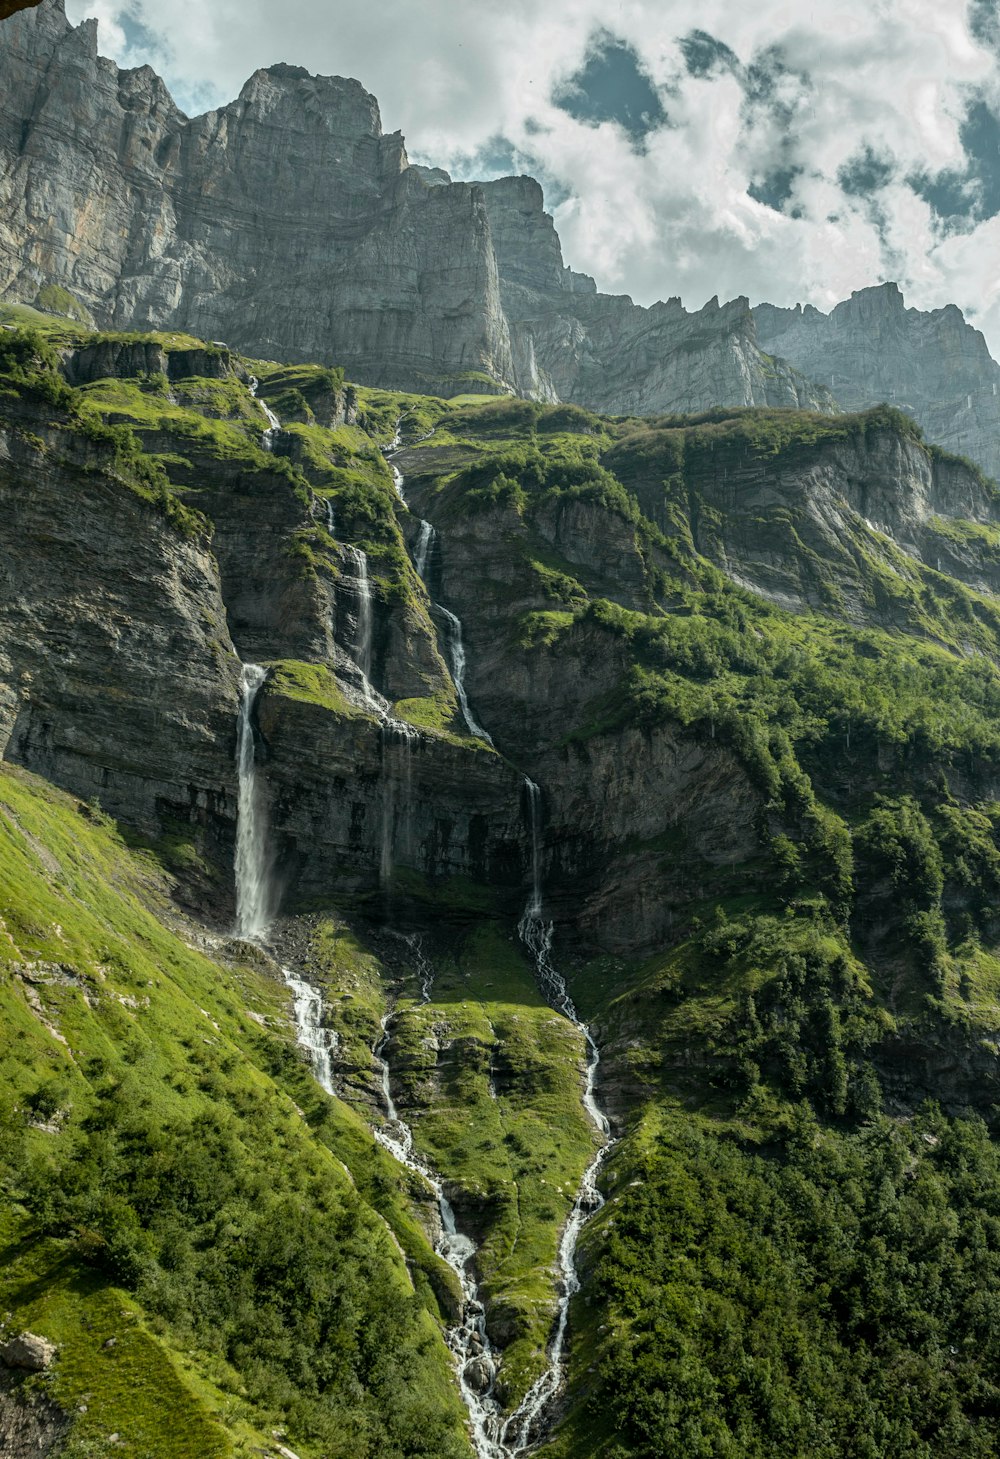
(29, 1352)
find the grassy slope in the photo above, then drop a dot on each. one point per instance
(118, 1031)
(756, 1036)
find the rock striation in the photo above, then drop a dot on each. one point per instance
(290, 225)
(872, 348)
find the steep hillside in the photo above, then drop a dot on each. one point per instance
(717, 695)
(871, 348)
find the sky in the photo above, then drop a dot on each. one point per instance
(787, 150)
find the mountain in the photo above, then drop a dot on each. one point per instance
(740, 674)
(288, 224)
(871, 347)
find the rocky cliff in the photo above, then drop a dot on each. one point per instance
(402, 276)
(151, 219)
(871, 348)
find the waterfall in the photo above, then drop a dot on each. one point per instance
(363, 613)
(475, 1361)
(456, 656)
(397, 740)
(273, 423)
(472, 1353)
(253, 890)
(320, 1043)
(331, 524)
(452, 625)
(537, 935)
(422, 551)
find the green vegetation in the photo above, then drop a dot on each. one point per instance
(819, 1293)
(489, 1080)
(54, 299)
(162, 1190)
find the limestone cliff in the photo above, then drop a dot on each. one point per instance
(871, 348)
(288, 224)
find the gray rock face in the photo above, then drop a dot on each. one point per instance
(288, 224)
(872, 348)
(121, 686)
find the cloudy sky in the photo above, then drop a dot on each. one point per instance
(787, 150)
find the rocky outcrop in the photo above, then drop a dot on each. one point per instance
(402, 276)
(355, 803)
(11, 7)
(152, 219)
(125, 359)
(122, 685)
(872, 348)
(28, 1351)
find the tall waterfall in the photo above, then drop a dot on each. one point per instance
(253, 889)
(254, 893)
(363, 612)
(273, 423)
(536, 933)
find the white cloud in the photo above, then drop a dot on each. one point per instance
(887, 77)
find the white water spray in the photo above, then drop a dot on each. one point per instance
(422, 551)
(273, 423)
(536, 933)
(362, 647)
(456, 656)
(252, 866)
(473, 1355)
(319, 1042)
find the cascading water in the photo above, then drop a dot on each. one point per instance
(456, 656)
(536, 933)
(253, 890)
(320, 1043)
(363, 613)
(254, 908)
(452, 625)
(475, 1361)
(422, 551)
(273, 423)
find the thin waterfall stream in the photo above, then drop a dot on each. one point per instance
(521, 1429)
(452, 626)
(474, 1357)
(273, 423)
(476, 1362)
(524, 1427)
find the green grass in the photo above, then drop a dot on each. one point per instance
(122, 1038)
(514, 1161)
